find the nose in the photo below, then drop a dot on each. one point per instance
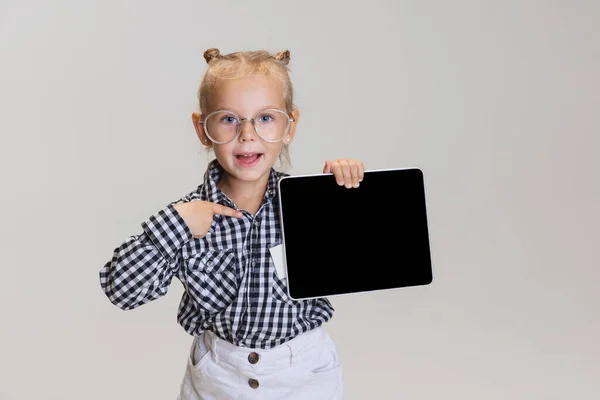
(247, 132)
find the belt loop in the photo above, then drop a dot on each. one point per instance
(292, 355)
(212, 345)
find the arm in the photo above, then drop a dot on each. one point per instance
(142, 267)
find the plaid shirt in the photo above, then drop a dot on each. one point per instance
(230, 282)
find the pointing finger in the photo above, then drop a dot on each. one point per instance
(228, 211)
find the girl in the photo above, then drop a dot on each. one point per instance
(251, 340)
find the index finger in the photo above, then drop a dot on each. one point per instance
(223, 210)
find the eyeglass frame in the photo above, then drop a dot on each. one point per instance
(241, 120)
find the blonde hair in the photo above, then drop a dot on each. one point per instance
(242, 64)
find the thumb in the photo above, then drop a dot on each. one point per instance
(327, 167)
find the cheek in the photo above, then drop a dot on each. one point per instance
(221, 150)
(274, 149)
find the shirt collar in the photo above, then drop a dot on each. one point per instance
(214, 174)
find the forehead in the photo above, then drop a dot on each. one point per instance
(247, 95)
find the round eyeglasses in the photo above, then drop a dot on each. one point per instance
(222, 126)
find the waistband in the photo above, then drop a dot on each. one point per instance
(265, 360)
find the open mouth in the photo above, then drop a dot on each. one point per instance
(248, 159)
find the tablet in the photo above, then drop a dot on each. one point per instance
(340, 241)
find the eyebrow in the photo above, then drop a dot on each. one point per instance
(260, 109)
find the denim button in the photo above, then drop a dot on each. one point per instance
(253, 358)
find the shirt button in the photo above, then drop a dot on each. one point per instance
(253, 383)
(253, 358)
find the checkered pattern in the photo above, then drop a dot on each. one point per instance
(230, 281)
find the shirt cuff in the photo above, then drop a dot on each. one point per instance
(168, 231)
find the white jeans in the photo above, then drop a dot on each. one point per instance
(307, 367)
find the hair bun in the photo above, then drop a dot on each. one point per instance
(211, 54)
(283, 56)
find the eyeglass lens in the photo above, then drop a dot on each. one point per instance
(223, 126)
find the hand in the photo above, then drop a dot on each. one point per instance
(346, 171)
(198, 215)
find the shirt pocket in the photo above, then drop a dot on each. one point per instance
(212, 280)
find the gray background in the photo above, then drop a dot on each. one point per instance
(497, 101)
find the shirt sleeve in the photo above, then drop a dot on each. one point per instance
(142, 267)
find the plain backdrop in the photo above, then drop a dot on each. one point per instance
(498, 102)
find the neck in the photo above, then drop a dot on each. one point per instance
(246, 195)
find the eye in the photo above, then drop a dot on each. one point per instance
(228, 119)
(266, 118)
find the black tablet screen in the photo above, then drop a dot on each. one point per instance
(341, 241)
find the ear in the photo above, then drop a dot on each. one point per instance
(290, 136)
(196, 119)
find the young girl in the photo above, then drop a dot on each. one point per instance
(251, 341)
